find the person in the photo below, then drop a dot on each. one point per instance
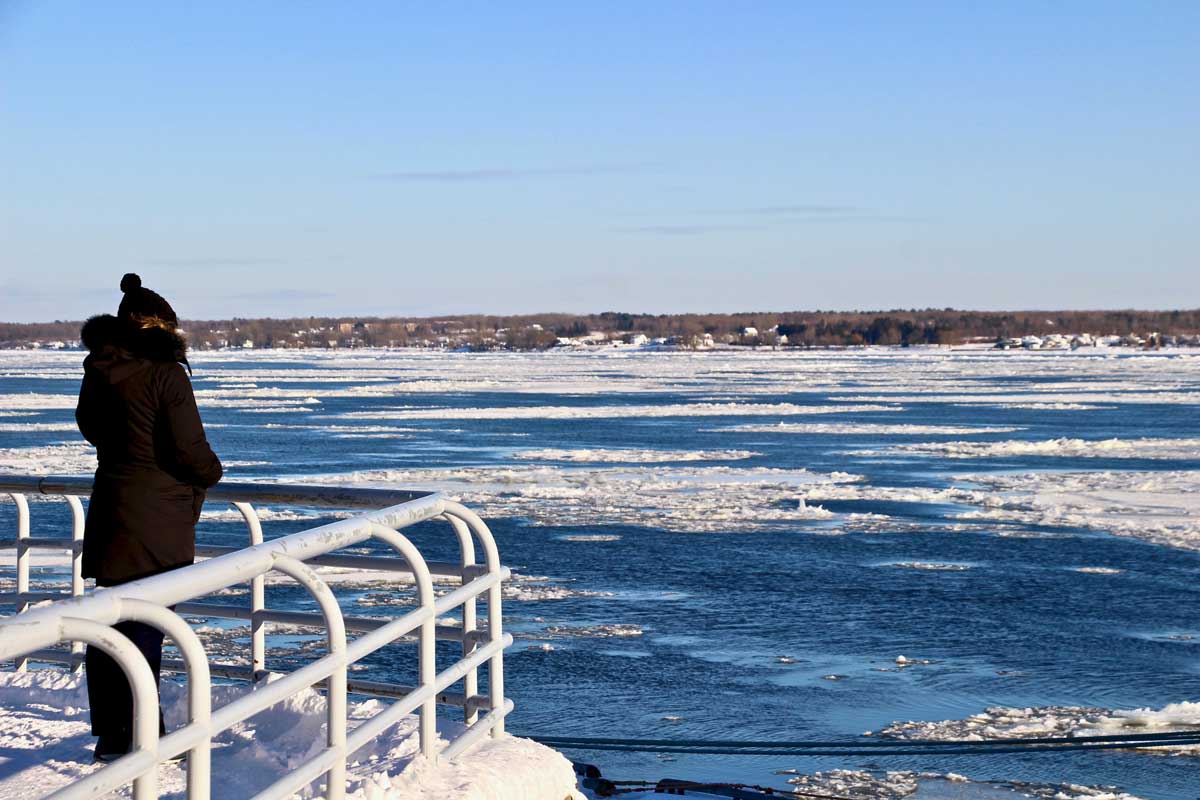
(137, 407)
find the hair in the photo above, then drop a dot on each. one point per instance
(148, 322)
(145, 322)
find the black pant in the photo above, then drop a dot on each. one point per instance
(108, 691)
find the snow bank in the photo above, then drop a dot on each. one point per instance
(45, 744)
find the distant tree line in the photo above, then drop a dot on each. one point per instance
(537, 331)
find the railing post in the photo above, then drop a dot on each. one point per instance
(495, 619)
(78, 522)
(335, 704)
(199, 761)
(22, 561)
(258, 597)
(467, 560)
(86, 619)
(426, 638)
(496, 663)
(141, 682)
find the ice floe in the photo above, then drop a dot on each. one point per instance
(1073, 448)
(686, 499)
(1082, 400)
(607, 412)
(1161, 507)
(897, 784)
(633, 455)
(601, 631)
(264, 513)
(869, 429)
(535, 591)
(22, 427)
(590, 537)
(74, 458)
(37, 402)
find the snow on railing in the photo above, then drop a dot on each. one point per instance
(78, 618)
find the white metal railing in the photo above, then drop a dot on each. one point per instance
(78, 618)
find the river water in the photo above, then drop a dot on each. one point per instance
(743, 545)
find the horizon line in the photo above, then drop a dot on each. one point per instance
(933, 310)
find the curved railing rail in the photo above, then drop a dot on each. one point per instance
(79, 617)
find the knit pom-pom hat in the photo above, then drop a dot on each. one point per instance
(143, 305)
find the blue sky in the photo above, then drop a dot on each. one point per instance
(392, 158)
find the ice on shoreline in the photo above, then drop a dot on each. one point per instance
(1002, 722)
(899, 784)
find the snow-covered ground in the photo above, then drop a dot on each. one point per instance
(45, 744)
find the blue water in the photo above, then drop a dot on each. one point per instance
(718, 606)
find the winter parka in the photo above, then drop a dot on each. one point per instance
(136, 406)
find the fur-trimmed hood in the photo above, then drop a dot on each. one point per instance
(107, 335)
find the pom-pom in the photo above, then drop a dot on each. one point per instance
(130, 282)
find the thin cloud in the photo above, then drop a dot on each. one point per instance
(784, 215)
(799, 210)
(216, 261)
(507, 173)
(819, 213)
(12, 290)
(280, 295)
(854, 218)
(684, 230)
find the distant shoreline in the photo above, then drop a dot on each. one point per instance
(801, 329)
(75, 347)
